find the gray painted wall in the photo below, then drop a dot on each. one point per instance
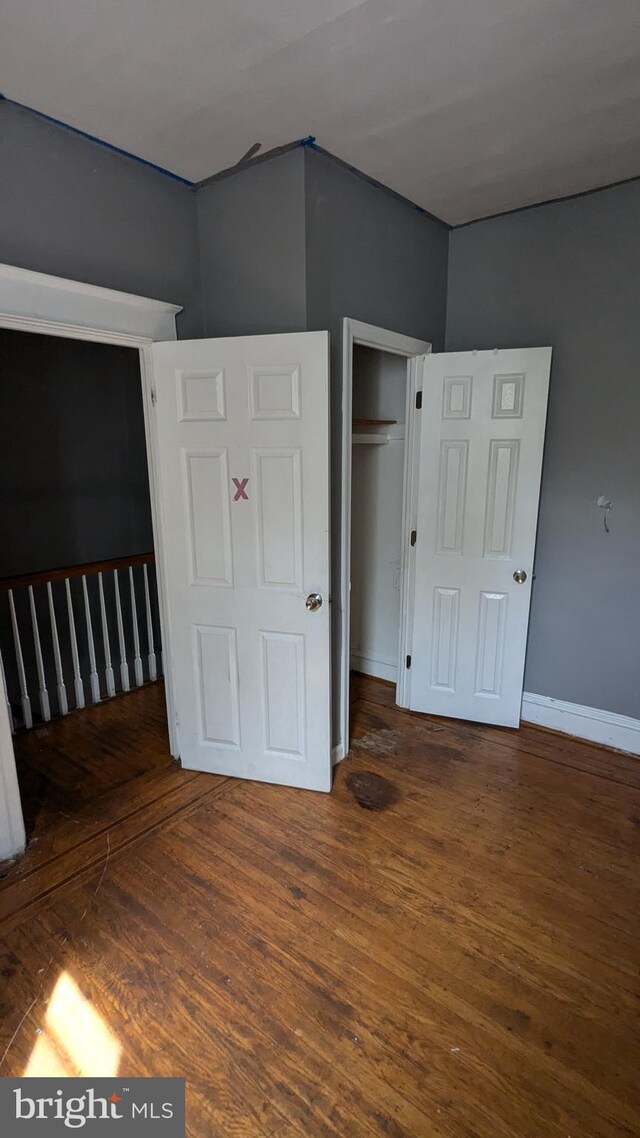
(75, 209)
(373, 257)
(74, 485)
(252, 249)
(568, 274)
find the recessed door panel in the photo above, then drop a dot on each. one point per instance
(490, 646)
(456, 396)
(446, 609)
(206, 482)
(201, 396)
(217, 676)
(451, 495)
(274, 392)
(504, 458)
(278, 530)
(283, 701)
(508, 396)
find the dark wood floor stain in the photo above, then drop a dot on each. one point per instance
(372, 791)
(461, 964)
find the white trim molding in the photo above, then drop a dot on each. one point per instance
(54, 306)
(590, 723)
(35, 302)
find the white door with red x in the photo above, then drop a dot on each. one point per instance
(243, 490)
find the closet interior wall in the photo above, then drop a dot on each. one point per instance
(379, 427)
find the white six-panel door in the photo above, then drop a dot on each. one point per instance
(243, 444)
(481, 441)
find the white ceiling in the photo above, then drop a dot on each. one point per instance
(467, 107)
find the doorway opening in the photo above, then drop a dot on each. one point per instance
(80, 637)
(378, 472)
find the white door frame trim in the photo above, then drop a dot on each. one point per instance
(55, 306)
(370, 336)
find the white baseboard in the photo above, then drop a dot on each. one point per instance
(375, 666)
(605, 727)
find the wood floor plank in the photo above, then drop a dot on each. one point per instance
(23, 895)
(565, 750)
(461, 963)
(511, 1016)
(72, 761)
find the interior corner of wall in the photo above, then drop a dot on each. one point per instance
(199, 278)
(305, 254)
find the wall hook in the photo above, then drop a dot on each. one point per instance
(605, 504)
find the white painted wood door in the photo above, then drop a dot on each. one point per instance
(243, 444)
(481, 442)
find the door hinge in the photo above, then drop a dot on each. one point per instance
(408, 662)
(414, 536)
(418, 400)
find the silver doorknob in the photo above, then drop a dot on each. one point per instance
(314, 602)
(519, 576)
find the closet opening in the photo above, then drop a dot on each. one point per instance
(379, 421)
(379, 462)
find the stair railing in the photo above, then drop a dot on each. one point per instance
(59, 628)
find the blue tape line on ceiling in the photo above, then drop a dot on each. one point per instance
(99, 141)
(311, 143)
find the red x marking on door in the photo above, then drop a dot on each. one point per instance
(240, 484)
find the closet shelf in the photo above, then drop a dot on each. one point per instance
(361, 423)
(368, 432)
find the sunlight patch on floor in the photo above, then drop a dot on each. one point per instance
(75, 1039)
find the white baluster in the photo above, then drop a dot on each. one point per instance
(93, 674)
(153, 668)
(124, 667)
(77, 677)
(43, 694)
(137, 662)
(6, 696)
(108, 670)
(57, 658)
(22, 677)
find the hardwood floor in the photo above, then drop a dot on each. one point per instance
(461, 962)
(68, 763)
